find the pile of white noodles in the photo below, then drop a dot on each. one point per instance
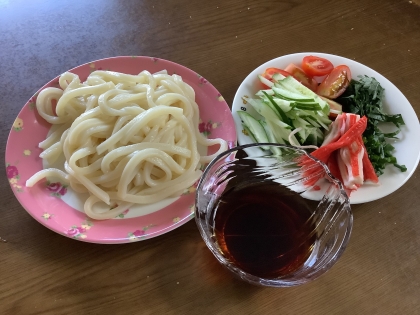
(126, 139)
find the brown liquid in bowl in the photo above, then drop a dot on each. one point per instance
(264, 229)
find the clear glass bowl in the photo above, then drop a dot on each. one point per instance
(331, 218)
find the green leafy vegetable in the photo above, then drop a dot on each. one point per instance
(364, 97)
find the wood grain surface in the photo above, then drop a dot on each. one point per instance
(42, 272)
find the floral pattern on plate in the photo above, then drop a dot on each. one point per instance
(201, 80)
(123, 214)
(14, 177)
(80, 231)
(139, 234)
(47, 216)
(18, 124)
(190, 190)
(32, 100)
(206, 128)
(56, 189)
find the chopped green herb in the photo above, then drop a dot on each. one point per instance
(364, 97)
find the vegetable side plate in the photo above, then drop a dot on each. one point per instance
(407, 148)
(60, 209)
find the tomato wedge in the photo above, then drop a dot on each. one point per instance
(335, 83)
(269, 72)
(301, 76)
(316, 66)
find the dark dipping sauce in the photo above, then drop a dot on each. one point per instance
(262, 228)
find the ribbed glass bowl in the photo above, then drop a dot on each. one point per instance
(331, 217)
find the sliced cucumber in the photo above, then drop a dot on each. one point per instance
(294, 85)
(249, 132)
(288, 95)
(305, 128)
(283, 116)
(271, 138)
(284, 105)
(265, 109)
(255, 127)
(313, 122)
(260, 92)
(281, 130)
(287, 105)
(307, 106)
(257, 105)
(278, 77)
(277, 132)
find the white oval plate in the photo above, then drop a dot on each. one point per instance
(407, 149)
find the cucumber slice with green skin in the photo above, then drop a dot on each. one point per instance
(294, 85)
(303, 133)
(251, 136)
(267, 110)
(287, 94)
(249, 133)
(284, 105)
(282, 97)
(307, 106)
(316, 123)
(275, 130)
(313, 122)
(319, 117)
(283, 116)
(260, 107)
(322, 124)
(280, 130)
(324, 119)
(271, 138)
(255, 127)
(261, 94)
(287, 105)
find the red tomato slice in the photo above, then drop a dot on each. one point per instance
(316, 66)
(301, 76)
(269, 72)
(335, 83)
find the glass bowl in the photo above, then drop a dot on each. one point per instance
(253, 216)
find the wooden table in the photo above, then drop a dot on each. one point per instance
(42, 272)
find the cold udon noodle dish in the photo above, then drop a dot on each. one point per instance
(126, 139)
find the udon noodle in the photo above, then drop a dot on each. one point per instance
(126, 139)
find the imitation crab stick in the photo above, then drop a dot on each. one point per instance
(332, 164)
(351, 135)
(344, 153)
(368, 169)
(351, 164)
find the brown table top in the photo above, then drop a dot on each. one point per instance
(42, 272)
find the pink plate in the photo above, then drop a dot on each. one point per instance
(58, 207)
